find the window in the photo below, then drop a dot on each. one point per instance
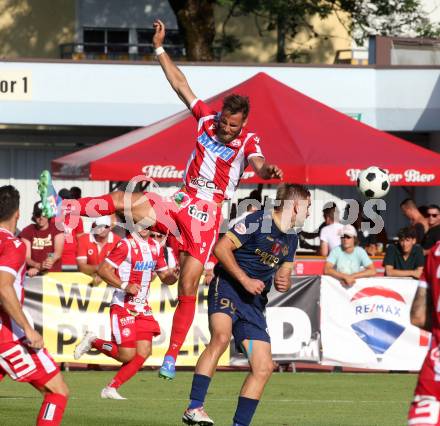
(105, 40)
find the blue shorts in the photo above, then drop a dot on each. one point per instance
(248, 322)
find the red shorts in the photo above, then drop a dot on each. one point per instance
(128, 328)
(425, 408)
(25, 364)
(192, 221)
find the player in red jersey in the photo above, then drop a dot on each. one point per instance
(224, 148)
(22, 353)
(129, 268)
(425, 313)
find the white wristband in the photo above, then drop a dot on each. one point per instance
(159, 50)
(124, 286)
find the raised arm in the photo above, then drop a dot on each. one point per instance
(265, 170)
(173, 74)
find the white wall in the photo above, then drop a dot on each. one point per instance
(134, 94)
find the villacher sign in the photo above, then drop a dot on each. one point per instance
(170, 172)
(408, 176)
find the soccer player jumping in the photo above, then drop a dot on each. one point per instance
(251, 255)
(129, 268)
(425, 407)
(223, 150)
(22, 353)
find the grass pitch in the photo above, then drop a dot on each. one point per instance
(312, 399)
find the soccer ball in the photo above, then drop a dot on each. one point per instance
(373, 182)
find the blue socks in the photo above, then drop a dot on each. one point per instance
(245, 410)
(199, 389)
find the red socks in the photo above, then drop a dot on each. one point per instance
(52, 409)
(107, 348)
(127, 371)
(90, 206)
(182, 320)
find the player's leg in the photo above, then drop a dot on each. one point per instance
(56, 394)
(132, 204)
(134, 360)
(220, 325)
(425, 407)
(190, 273)
(260, 360)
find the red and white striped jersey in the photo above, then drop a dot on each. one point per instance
(12, 261)
(135, 260)
(431, 278)
(214, 169)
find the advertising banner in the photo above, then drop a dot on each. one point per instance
(368, 325)
(65, 305)
(293, 323)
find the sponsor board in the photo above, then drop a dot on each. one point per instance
(69, 305)
(368, 325)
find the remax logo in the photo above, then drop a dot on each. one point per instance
(379, 312)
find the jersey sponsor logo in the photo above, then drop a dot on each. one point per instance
(127, 320)
(138, 300)
(90, 252)
(144, 266)
(197, 214)
(240, 228)
(202, 183)
(267, 258)
(217, 148)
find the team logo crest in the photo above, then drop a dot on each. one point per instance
(90, 252)
(236, 143)
(182, 199)
(240, 228)
(276, 248)
(126, 332)
(285, 250)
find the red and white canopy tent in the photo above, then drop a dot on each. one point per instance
(310, 141)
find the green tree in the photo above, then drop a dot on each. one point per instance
(290, 17)
(365, 17)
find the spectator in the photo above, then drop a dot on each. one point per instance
(44, 244)
(433, 234)
(416, 219)
(93, 248)
(405, 259)
(73, 228)
(75, 192)
(345, 262)
(329, 234)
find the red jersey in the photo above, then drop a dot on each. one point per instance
(135, 260)
(42, 243)
(214, 168)
(89, 249)
(431, 276)
(13, 261)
